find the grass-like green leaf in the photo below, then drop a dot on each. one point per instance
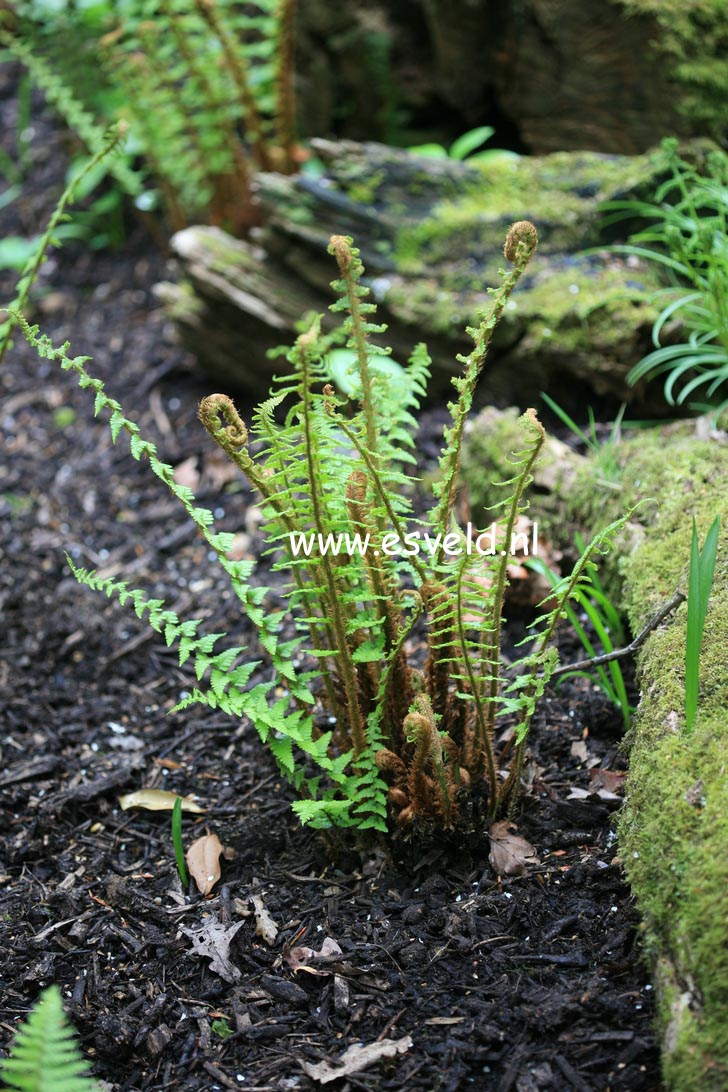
(700, 583)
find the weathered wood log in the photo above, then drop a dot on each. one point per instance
(554, 74)
(431, 234)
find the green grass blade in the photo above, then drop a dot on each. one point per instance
(179, 849)
(700, 582)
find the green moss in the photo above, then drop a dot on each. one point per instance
(364, 190)
(673, 827)
(559, 192)
(674, 846)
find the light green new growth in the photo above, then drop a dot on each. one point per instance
(44, 1057)
(362, 733)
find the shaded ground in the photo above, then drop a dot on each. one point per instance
(526, 983)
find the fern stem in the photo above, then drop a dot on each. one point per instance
(483, 743)
(238, 70)
(233, 438)
(210, 97)
(350, 268)
(381, 490)
(285, 113)
(304, 346)
(491, 657)
(519, 248)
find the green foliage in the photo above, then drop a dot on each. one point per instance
(693, 40)
(362, 733)
(179, 851)
(221, 1028)
(45, 1057)
(35, 253)
(687, 238)
(465, 147)
(600, 612)
(700, 583)
(188, 77)
(603, 452)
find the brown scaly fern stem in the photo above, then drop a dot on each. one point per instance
(399, 692)
(426, 782)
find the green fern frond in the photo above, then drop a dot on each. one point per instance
(74, 113)
(519, 248)
(45, 1057)
(110, 146)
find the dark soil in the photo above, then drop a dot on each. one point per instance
(524, 983)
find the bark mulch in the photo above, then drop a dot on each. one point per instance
(525, 983)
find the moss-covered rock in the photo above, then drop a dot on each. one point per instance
(674, 825)
(431, 233)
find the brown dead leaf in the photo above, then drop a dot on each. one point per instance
(300, 959)
(355, 1059)
(611, 780)
(265, 927)
(156, 800)
(186, 473)
(509, 853)
(203, 861)
(219, 471)
(212, 941)
(578, 750)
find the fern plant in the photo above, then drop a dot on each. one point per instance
(205, 86)
(44, 1057)
(370, 731)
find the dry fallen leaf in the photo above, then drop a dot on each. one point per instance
(577, 793)
(300, 959)
(611, 780)
(203, 861)
(265, 927)
(355, 1059)
(186, 473)
(156, 800)
(509, 853)
(212, 942)
(578, 750)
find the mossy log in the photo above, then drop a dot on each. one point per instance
(674, 826)
(431, 233)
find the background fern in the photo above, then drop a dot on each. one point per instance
(205, 86)
(44, 1057)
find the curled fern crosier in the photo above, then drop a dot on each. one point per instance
(388, 683)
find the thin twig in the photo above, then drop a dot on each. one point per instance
(619, 653)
